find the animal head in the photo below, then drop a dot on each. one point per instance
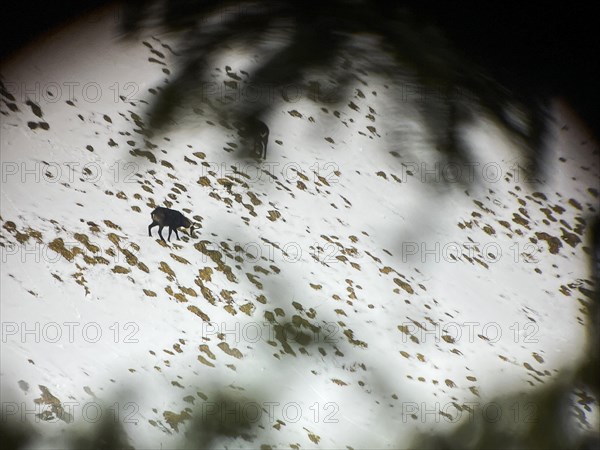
(187, 223)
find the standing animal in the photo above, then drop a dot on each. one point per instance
(165, 217)
(258, 131)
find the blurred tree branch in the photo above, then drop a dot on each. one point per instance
(319, 32)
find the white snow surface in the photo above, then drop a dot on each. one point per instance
(343, 239)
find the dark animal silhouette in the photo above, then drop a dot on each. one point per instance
(258, 131)
(165, 217)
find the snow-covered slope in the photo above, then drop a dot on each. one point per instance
(341, 293)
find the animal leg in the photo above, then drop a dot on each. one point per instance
(259, 148)
(264, 152)
(170, 231)
(264, 141)
(176, 234)
(160, 228)
(257, 151)
(152, 225)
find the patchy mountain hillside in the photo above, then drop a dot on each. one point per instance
(350, 290)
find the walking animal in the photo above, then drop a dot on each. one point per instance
(258, 131)
(165, 217)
